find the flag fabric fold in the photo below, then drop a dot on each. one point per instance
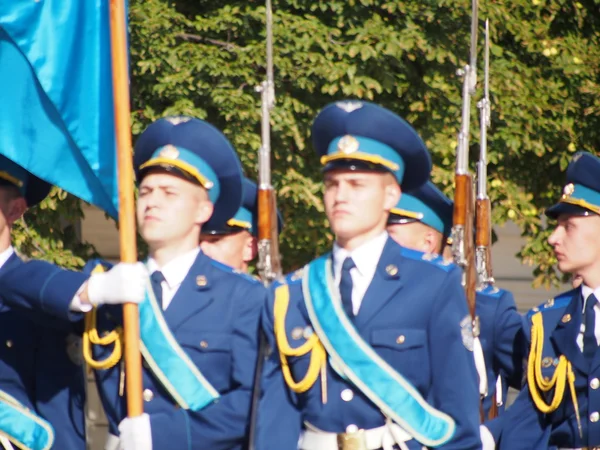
(56, 101)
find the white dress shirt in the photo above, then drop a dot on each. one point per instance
(586, 292)
(174, 272)
(5, 255)
(365, 257)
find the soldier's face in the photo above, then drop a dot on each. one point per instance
(576, 244)
(235, 250)
(357, 204)
(416, 236)
(12, 207)
(170, 211)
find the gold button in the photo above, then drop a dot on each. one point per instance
(594, 383)
(350, 429)
(9, 343)
(203, 344)
(148, 395)
(594, 416)
(347, 395)
(400, 339)
(297, 333)
(566, 318)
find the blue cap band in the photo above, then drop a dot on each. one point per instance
(243, 219)
(365, 149)
(190, 163)
(577, 194)
(418, 210)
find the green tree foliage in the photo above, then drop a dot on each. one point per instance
(205, 58)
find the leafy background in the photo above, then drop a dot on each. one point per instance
(204, 58)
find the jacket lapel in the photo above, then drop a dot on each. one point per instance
(385, 285)
(193, 295)
(564, 337)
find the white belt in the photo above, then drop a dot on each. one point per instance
(373, 439)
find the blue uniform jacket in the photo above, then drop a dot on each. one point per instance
(216, 322)
(527, 428)
(40, 357)
(502, 341)
(424, 302)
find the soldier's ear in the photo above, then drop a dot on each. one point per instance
(250, 249)
(16, 208)
(204, 211)
(392, 193)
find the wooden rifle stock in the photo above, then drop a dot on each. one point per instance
(463, 213)
(268, 235)
(483, 236)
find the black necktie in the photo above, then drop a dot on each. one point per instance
(157, 278)
(589, 336)
(346, 287)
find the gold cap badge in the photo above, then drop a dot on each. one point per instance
(568, 190)
(348, 144)
(169, 152)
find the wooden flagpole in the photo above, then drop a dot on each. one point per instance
(127, 232)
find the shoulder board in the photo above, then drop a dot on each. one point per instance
(491, 291)
(431, 258)
(96, 265)
(560, 301)
(294, 277)
(229, 269)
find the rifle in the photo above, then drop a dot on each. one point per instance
(269, 260)
(463, 249)
(462, 230)
(483, 237)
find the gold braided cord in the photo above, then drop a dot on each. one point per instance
(535, 379)
(318, 357)
(91, 337)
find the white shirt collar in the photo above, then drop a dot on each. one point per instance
(586, 291)
(176, 269)
(365, 256)
(5, 255)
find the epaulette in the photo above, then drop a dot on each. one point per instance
(96, 265)
(561, 301)
(491, 291)
(229, 269)
(431, 258)
(294, 277)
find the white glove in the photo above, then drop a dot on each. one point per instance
(487, 440)
(124, 283)
(135, 433)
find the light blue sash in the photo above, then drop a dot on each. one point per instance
(358, 362)
(168, 361)
(22, 427)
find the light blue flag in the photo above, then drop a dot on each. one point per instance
(56, 95)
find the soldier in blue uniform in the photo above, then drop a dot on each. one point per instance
(234, 243)
(560, 403)
(422, 220)
(371, 350)
(40, 358)
(199, 320)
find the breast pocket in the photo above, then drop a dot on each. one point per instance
(406, 350)
(211, 353)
